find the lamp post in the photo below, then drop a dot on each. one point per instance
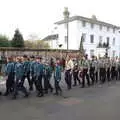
(66, 18)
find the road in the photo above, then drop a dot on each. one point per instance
(94, 103)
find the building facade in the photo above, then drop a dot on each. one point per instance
(99, 37)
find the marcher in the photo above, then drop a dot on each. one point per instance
(75, 75)
(19, 79)
(84, 65)
(9, 71)
(26, 65)
(38, 75)
(57, 78)
(68, 71)
(47, 76)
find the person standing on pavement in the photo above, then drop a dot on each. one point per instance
(19, 81)
(75, 75)
(84, 64)
(102, 70)
(9, 71)
(32, 66)
(68, 71)
(47, 73)
(57, 78)
(92, 70)
(38, 75)
(26, 65)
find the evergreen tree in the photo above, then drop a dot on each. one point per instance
(17, 40)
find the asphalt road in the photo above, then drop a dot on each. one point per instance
(94, 103)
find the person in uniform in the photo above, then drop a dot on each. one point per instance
(92, 70)
(57, 78)
(108, 68)
(96, 70)
(26, 65)
(84, 64)
(102, 70)
(75, 75)
(9, 71)
(47, 73)
(68, 71)
(38, 75)
(113, 69)
(19, 81)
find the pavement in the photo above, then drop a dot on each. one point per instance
(93, 103)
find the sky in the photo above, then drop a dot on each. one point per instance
(37, 17)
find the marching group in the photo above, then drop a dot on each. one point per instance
(39, 72)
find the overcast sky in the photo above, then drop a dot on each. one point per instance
(38, 16)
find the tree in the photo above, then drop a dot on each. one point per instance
(4, 41)
(81, 49)
(17, 40)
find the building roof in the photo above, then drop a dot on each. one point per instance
(90, 20)
(51, 37)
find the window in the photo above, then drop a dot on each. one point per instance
(100, 27)
(83, 23)
(108, 28)
(92, 25)
(91, 38)
(91, 52)
(100, 39)
(113, 42)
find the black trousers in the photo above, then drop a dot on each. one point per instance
(10, 83)
(85, 75)
(68, 78)
(39, 85)
(92, 74)
(75, 77)
(57, 87)
(113, 73)
(96, 77)
(102, 75)
(19, 86)
(47, 84)
(108, 74)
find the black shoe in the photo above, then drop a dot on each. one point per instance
(14, 98)
(74, 85)
(0, 93)
(26, 96)
(40, 95)
(55, 94)
(82, 87)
